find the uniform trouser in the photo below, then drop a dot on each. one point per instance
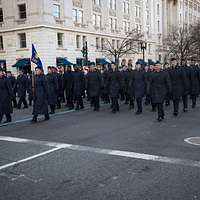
(147, 100)
(139, 104)
(58, 102)
(52, 107)
(95, 102)
(131, 103)
(160, 110)
(106, 98)
(8, 117)
(127, 98)
(176, 105)
(14, 102)
(69, 99)
(194, 99)
(22, 100)
(153, 105)
(79, 102)
(185, 101)
(167, 100)
(115, 104)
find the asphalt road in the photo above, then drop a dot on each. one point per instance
(101, 156)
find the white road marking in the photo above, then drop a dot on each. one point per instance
(127, 154)
(191, 141)
(29, 158)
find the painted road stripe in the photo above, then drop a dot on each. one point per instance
(39, 117)
(127, 154)
(29, 158)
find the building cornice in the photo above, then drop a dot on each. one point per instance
(61, 29)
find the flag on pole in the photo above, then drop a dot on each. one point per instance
(35, 58)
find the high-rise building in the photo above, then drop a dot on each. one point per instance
(59, 28)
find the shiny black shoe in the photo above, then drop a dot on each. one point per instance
(138, 112)
(160, 119)
(7, 121)
(185, 110)
(175, 114)
(47, 117)
(34, 120)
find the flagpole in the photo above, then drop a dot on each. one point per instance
(33, 78)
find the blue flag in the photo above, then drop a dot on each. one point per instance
(35, 58)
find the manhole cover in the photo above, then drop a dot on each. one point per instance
(193, 140)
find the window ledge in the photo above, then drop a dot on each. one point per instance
(2, 51)
(23, 49)
(61, 48)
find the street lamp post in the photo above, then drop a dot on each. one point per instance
(143, 48)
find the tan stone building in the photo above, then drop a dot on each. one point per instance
(59, 28)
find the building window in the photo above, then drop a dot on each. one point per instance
(112, 4)
(125, 6)
(149, 49)
(158, 9)
(102, 43)
(56, 11)
(97, 2)
(158, 26)
(60, 37)
(97, 43)
(78, 41)
(137, 11)
(1, 15)
(1, 42)
(97, 20)
(118, 44)
(84, 40)
(22, 11)
(113, 44)
(126, 26)
(22, 40)
(113, 23)
(77, 16)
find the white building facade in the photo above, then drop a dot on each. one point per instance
(59, 28)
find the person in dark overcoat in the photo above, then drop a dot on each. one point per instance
(138, 86)
(68, 83)
(195, 80)
(178, 81)
(105, 89)
(94, 85)
(78, 87)
(186, 69)
(6, 95)
(158, 86)
(114, 84)
(166, 68)
(12, 80)
(52, 82)
(40, 95)
(22, 87)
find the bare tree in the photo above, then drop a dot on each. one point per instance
(196, 41)
(180, 43)
(127, 46)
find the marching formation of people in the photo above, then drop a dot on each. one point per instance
(154, 84)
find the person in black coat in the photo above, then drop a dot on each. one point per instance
(78, 87)
(195, 80)
(158, 86)
(138, 86)
(12, 80)
(186, 69)
(178, 81)
(114, 84)
(22, 86)
(93, 86)
(68, 83)
(40, 95)
(105, 89)
(6, 95)
(60, 86)
(52, 83)
(166, 68)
